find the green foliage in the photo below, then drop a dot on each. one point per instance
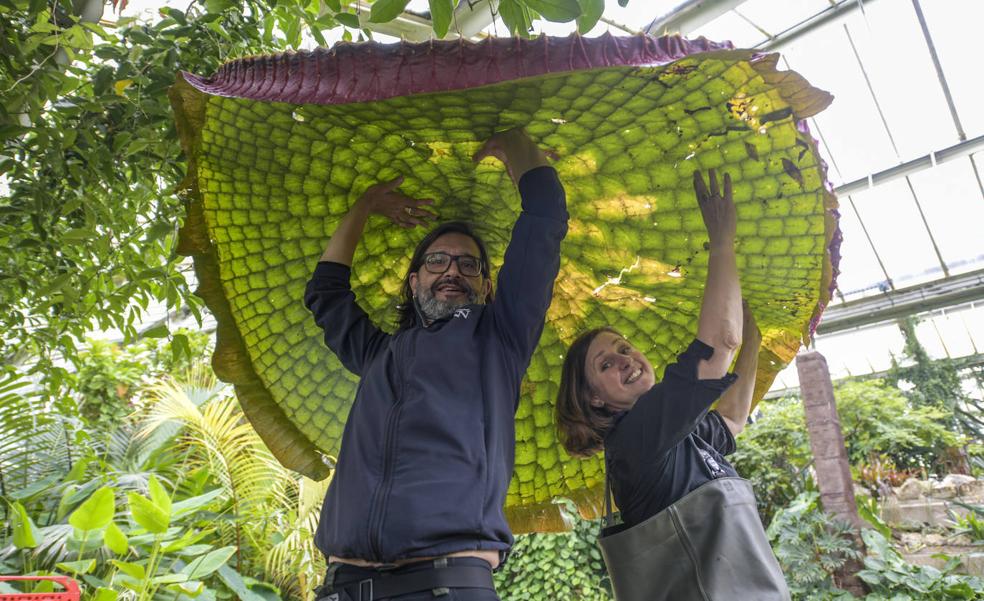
(939, 384)
(890, 578)
(89, 158)
(774, 454)
(882, 430)
(556, 566)
(810, 545)
(878, 420)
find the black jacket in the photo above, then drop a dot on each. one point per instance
(427, 451)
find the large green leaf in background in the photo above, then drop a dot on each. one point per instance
(280, 147)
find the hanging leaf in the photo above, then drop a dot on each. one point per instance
(511, 14)
(348, 20)
(441, 12)
(384, 11)
(558, 11)
(97, 511)
(591, 11)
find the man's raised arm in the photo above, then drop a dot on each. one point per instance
(532, 259)
(348, 330)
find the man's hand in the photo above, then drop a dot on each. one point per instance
(718, 210)
(384, 199)
(515, 149)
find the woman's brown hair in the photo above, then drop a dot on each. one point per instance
(582, 427)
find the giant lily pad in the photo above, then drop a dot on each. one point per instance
(279, 147)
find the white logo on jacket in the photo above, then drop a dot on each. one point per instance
(462, 313)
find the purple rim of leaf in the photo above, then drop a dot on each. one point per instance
(371, 71)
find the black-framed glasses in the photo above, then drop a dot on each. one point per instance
(440, 262)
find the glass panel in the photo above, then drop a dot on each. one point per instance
(951, 200)
(955, 339)
(897, 231)
(956, 29)
(973, 321)
(850, 125)
(903, 77)
(860, 274)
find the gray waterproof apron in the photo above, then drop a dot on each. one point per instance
(708, 546)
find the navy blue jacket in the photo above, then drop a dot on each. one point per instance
(427, 451)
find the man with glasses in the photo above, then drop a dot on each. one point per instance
(415, 507)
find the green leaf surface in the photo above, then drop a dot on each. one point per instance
(384, 11)
(195, 503)
(134, 570)
(234, 581)
(105, 594)
(558, 11)
(83, 566)
(348, 20)
(441, 11)
(202, 566)
(147, 514)
(591, 11)
(26, 534)
(158, 495)
(97, 511)
(115, 539)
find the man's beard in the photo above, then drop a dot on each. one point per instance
(433, 309)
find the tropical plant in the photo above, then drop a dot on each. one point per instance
(564, 565)
(810, 546)
(891, 578)
(89, 158)
(886, 436)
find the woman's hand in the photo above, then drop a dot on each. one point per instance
(384, 199)
(718, 210)
(751, 337)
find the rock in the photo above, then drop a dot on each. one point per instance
(911, 489)
(972, 491)
(957, 479)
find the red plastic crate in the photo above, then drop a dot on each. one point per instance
(71, 592)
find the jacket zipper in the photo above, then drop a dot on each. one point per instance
(379, 507)
(381, 499)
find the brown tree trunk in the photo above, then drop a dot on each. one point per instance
(830, 455)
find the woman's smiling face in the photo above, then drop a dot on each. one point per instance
(617, 373)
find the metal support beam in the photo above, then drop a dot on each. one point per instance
(938, 294)
(959, 363)
(839, 10)
(690, 16)
(957, 151)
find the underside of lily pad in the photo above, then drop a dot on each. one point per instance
(280, 147)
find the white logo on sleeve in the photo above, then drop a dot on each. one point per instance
(462, 313)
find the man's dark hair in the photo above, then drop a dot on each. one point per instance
(407, 312)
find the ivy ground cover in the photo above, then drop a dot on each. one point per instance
(280, 147)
